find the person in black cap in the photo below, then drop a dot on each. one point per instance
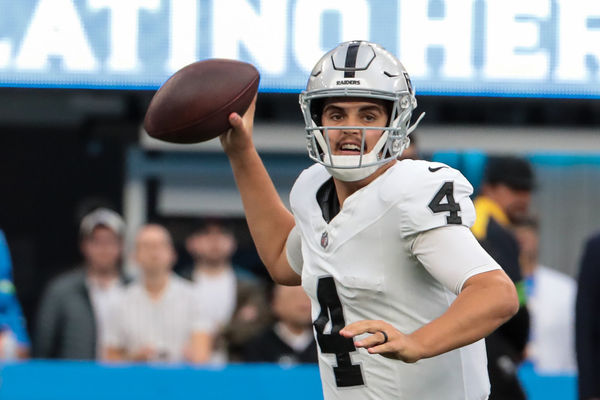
(504, 199)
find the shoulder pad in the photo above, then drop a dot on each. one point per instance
(430, 195)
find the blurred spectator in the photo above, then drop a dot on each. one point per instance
(251, 316)
(551, 303)
(211, 248)
(238, 307)
(587, 321)
(505, 197)
(14, 341)
(71, 318)
(158, 318)
(290, 340)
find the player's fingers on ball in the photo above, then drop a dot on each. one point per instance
(235, 120)
(223, 136)
(253, 103)
(249, 114)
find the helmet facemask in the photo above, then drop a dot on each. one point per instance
(393, 140)
(362, 70)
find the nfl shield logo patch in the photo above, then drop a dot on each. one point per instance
(324, 240)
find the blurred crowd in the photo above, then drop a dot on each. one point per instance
(212, 311)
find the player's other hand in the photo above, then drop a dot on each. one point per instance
(398, 346)
(239, 137)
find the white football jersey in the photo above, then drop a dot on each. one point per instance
(361, 266)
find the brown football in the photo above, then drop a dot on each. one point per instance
(194, 104)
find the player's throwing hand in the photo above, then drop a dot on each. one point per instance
(239, 138)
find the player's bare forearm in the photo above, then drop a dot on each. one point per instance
(268, 219)
(486, 301)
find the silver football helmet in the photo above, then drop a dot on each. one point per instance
(366, 70)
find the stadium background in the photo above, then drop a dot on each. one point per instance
(77, 76)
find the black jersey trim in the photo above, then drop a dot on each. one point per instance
(328, 200)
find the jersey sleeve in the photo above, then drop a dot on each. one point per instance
(451, 254)
(435, 196)
(293, 249)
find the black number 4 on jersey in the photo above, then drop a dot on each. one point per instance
(451, 206)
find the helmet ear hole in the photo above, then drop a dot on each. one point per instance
(316, 110)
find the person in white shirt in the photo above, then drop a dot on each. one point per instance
(551, 302)
(211, 248)
(402, 294)
(159, 318)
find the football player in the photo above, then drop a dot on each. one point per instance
(402, 294)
